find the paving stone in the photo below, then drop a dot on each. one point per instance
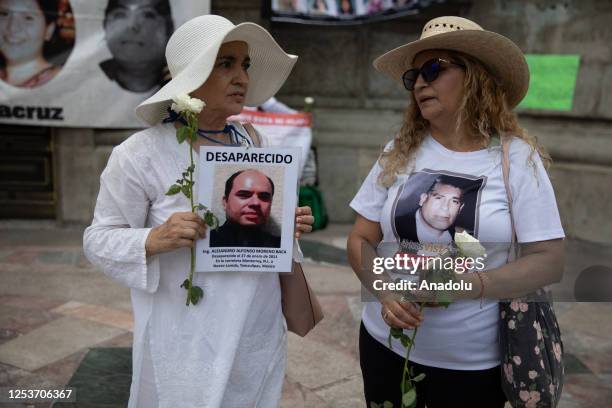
(10, 375)
(62, 283)
(297, 396)
(579, 343)
(338, 327)
(22, 256)
(356, 307)
(598, 363)
(7, 334)
(100, 314)
(309, 363)
(23, 320)
(331, 279)
(587, 390)
(30, 302)
(54, 341)
(66, 257)
(103, 379)
(123, 340)
(589, 318)
(344, 394)
(62, 370)
(567, 402)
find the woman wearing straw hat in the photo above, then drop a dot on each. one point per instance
(463, 83)
(229, 350)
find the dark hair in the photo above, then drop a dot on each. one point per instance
(229, 183)
(449, 181)
(49, 9)
(161, 6)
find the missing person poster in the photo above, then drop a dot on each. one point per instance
(83, 63)
(254, 196)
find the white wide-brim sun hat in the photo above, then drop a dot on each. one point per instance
(501, 57)
(191, 53)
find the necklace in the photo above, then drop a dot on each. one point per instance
(237, 138)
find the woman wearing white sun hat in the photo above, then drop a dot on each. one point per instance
(463, 82)
(230, 349)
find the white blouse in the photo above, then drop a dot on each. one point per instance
(230, 349)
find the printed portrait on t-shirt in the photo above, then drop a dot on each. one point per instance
(432, 205)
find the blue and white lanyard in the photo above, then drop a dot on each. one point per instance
(237, 138)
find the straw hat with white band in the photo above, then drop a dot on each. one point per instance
(191, 53)
(502, 58)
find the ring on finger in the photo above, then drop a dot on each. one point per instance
(386, 314)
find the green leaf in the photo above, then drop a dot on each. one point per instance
(186, 192)
(519, 316)
(409, 397)
(374, 405)
(387, 404)
(174, 189)
(405, 340)
(191, 168)
(185, 284)
(444, 304)
(396, 333)
(419, 377)
(182, 133)
(196, 294)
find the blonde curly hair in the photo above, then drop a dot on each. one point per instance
(483, 112)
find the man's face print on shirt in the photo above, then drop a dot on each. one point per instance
(432, 205)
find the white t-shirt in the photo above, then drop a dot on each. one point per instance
(463, 336)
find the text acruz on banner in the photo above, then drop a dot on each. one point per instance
(253, 193)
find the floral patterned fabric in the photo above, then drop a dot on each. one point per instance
(532, 352)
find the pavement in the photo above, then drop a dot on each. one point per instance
(57, 311)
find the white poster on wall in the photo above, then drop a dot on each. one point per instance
(83, 63)
(254, 196)
(282, 129)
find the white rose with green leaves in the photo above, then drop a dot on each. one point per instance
(469, 246)
(185, 103)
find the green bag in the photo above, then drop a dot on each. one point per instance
(311, 196)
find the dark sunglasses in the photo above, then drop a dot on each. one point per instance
(429, 70)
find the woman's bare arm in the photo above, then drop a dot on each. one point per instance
(541, 263)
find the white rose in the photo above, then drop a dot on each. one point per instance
(469, 246)
(184, 103)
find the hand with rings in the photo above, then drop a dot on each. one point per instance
(401, 314)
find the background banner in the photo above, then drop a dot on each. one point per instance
(338, 12)
(83, 63)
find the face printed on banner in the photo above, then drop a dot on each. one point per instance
(136, 32)
(225, 89)
(249, 201)
(23, 31)
(441, 205)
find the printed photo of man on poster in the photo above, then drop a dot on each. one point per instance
(247, 201)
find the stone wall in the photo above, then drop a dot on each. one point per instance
(358, 110)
